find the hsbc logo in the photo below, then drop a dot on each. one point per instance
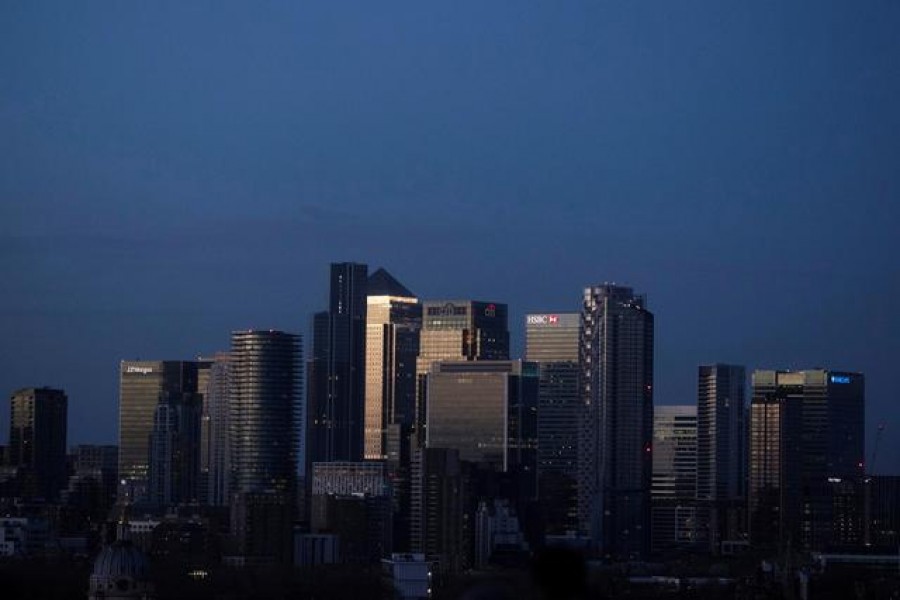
(543, 319)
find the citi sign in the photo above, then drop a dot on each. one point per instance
(543, 319)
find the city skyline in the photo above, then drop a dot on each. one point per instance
(172, 175)
(517, 332)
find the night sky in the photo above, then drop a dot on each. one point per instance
(172, 171)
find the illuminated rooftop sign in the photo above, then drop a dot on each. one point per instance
(141, 370)
(543, 320)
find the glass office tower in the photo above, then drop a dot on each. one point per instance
(143, 385)
(721, 454)
(487, 410)
(393, 321)
(337, 370)
(552, 341)
(807, 433)
(457, 330)
(37, 440)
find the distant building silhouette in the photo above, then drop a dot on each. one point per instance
(143, 387)
(337, 369)
(615, 453)
(441, 495)
(37, 441)
(721, 454)
(806, 436)
(264, 409)
(264, 428)
(217, 447)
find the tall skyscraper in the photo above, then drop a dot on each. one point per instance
(806, 434)
(266, 382)
(615, 453)
(674, 486)
(143, 385)
(337, 369)
(459, 330)
(721, 454)
(463, 330)
(551, 340)
(37, 440)
(264, 432)
(218, 448)
(175, 442)
(393, 321)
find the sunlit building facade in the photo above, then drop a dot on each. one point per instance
(393, 321)
(487, 410)
(457, 330)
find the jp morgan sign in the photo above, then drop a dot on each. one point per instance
(542, 320)
(138, 370)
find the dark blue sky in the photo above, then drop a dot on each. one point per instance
(172, 171)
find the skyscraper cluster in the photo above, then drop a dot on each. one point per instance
(411, 428)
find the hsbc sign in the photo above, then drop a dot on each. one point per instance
(542, 319)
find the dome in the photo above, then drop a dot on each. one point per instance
(122, 559)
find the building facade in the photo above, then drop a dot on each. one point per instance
(218, 441)
(264, 426)
(143, 386)
(807, 434)
(486, 410)
(37, 440)
(615, 451)
(457, 330)
(352, 501)
(674, 484)
(393, 321)
(552, 342)
(441, 497)
(721, 454)
(264, 434)
(336, 394)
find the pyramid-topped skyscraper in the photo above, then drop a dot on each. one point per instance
(382, 283)
(393, 320)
